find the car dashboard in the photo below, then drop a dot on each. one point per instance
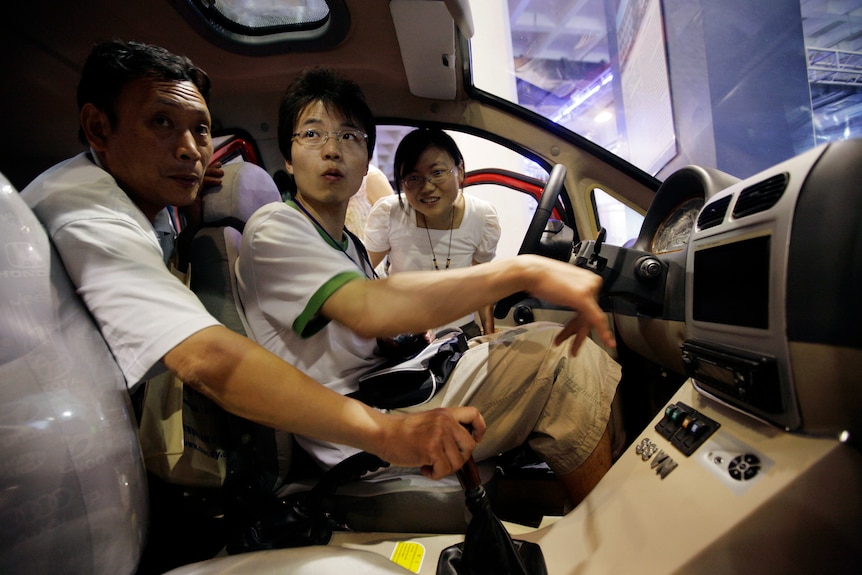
(754, 463)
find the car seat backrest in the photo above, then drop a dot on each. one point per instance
(258, 454)
(214, 248)
(73, 493)
(224, 210)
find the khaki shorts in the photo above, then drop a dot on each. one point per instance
(529, 389)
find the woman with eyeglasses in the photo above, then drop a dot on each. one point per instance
(439, 227)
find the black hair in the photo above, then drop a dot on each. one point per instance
(114, 64)
(336, 92)
(415, 143)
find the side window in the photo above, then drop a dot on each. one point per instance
(621, 222)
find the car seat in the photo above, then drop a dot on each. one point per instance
(73, 495)
(403, 502)
(72, 487)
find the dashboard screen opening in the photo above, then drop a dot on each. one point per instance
(731, 283)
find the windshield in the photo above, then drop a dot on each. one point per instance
(733, 85)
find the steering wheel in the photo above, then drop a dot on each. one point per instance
(533, 236)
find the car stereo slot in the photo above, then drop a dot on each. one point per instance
(734, 375)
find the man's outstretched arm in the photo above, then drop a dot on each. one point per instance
(415, 301)
(247, 380)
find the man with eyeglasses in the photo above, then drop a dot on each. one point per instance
(311, 297)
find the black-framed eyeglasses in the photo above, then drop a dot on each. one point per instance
(437, 177)
(315, 139)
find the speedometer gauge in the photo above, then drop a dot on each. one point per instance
(673, 233)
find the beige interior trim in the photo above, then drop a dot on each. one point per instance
(426, 36)
(698, 519)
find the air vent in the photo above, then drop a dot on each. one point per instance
(760, 197)
(712, 214)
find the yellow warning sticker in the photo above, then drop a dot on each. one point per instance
(408, 554)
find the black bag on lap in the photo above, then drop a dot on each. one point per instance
(416, 378)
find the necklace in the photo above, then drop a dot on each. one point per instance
(356, 242)
(430, 243)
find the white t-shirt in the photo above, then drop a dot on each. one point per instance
(282, 290)
(393, 228)
(113, 256)
(359, 206)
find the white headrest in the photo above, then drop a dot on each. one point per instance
(245, 188)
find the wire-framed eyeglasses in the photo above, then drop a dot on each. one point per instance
(415, 183)
(315, 139)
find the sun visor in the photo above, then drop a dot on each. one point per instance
(426, 36)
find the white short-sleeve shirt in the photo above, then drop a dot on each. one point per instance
(113, 256)
(391, 227)
(286, 270)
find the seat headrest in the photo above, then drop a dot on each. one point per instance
(244, 188)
